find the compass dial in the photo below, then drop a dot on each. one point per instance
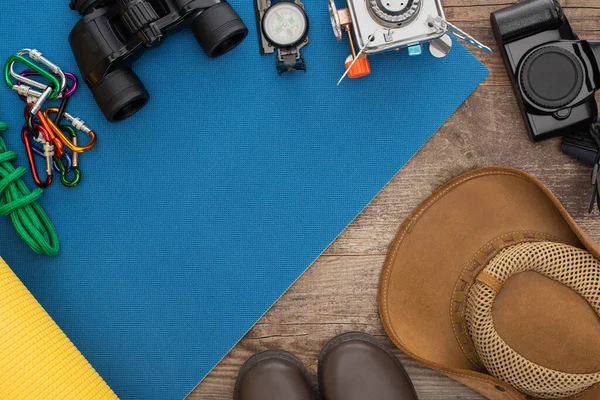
(285, 24)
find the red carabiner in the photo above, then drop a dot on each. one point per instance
(59, 148)
(49, 172)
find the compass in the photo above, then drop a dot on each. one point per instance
(285, 24)
(282, 29)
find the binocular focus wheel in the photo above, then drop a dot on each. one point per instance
(552, 77)
(219, 29)
(120, 94)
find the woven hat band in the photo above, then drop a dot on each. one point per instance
(570, 266)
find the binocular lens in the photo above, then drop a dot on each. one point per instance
(114, 33)
(219, 29)
(120, 94)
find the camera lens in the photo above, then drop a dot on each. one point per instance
(219, 29)
(552, 77)
(120, 94)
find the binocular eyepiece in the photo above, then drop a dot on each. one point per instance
(112, 34)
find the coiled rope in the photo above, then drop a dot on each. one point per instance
(16, 200)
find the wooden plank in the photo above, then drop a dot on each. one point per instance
(338, 293)
(487, 130)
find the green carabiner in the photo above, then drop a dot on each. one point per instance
(75, 167)
(14, 58)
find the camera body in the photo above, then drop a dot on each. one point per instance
(554, 74)
(112, 34)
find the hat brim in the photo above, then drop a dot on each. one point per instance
(435, 244)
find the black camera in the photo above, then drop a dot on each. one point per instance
(554, 74)
(113, 33)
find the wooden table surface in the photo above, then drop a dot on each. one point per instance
(339, 291)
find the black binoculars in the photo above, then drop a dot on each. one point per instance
(555, 75)
(113, 33)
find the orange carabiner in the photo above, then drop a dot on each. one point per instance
(77, 124)
(59, 148)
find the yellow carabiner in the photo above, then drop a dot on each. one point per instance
(77, 124)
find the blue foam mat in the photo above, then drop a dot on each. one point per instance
(196, 214)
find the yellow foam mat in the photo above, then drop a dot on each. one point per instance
(37, 360)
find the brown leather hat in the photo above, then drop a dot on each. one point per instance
(491, 282)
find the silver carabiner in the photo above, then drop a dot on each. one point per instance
(37, 106)
(37, 56)
(31, 94)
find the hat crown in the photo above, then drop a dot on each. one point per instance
(573, 267)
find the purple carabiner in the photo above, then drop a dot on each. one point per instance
(70, 89)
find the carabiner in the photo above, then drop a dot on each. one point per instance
(48, 153)
(50, 137)
(37, 56)
(29, 92)
(75, 168)
(37, 104)
(76, 123)
(57, 86)
(66, 161)
(55, 163)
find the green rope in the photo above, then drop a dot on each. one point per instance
(16, 200)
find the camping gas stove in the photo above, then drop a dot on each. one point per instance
(377, 26)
